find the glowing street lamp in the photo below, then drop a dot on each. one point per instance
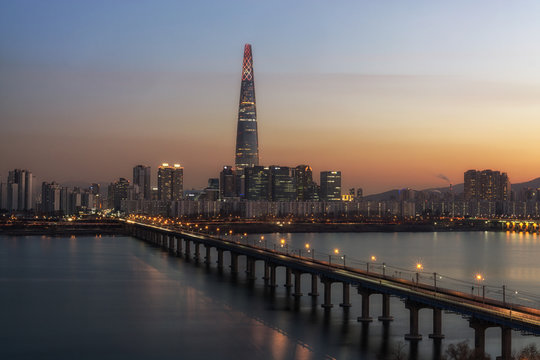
(373, 258)
(419, 267)
(479, 278)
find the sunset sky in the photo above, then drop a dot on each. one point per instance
(392, 93)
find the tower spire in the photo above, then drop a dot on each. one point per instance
(247, 142)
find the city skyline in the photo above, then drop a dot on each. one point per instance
(339, 94)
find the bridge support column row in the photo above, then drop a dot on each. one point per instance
(220, 259)
(327, 293)
(207, 256)
(250, 268)
(386, 308)
(480, 327)
(178, 246)
(266, 276)
(188, 250)
(414, 308)
(234, 263)
(314, 283)
(346, 296)
(437, 325)
(197, 251)
(297, 287)
(288, 283)
(272, 276)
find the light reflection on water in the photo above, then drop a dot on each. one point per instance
(116, 297)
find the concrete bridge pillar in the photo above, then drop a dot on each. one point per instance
(414, 308)
(234, 263)
(178, 246)
(327, 293)
(346, 296)
(272, 276)
(297, 287)
(266, 276)
(479, 327)
(506, 343)
(386, 309)
(220, 259)
(314, 283)
(288, 283)
(250, 268)
(437, 324)
(365, 293)
(188, 250)
(207, 256)
(197, 251)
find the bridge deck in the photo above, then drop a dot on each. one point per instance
(517, 317)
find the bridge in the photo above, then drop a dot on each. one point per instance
(480, 311)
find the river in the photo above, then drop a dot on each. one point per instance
(119, 298)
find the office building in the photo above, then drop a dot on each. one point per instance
(330, 186)
(257, 183)
(282, 184)
(227, 183)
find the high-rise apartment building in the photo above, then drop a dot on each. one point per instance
(170, 182)
(19, 190)
(330, 186)
(486, 185)
(141, 178)
(50, 197)
(117, 192)
(247, 143)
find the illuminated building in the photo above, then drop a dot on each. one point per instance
(170, 182)
(282, 184)
(330, 186)
(257, 183)
(227, 183)
(303, 180)
(117, 192)
(141, 178)
(247, 143)
(486, 185)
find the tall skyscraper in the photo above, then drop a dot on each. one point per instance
(19, 189)
(170, 182)
(141, 178)
(330, 185)
(247, 143)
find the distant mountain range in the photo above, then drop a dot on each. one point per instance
(457, 189)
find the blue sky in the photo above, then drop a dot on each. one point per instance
(156, 72)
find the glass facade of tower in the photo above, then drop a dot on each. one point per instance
(247, 143)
